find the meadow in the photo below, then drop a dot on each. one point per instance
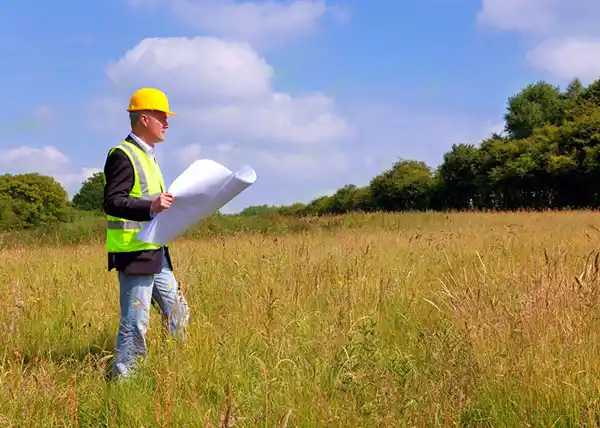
(407, 320)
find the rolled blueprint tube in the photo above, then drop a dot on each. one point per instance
(203, 188)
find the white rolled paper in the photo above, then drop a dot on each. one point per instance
(200, 190)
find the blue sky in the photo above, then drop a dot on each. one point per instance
(312, 94)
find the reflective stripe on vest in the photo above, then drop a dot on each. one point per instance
(138, 167)
(126, 224)
(148, 183)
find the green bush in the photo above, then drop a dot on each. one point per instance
(31, 200)
(91, 194)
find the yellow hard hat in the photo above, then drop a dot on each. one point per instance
(149, 99)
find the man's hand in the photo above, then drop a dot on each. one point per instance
(163, 202)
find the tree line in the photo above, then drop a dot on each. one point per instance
(547, 157)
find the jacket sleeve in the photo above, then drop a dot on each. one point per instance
(119, 182)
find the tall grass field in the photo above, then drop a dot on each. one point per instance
(370, 320)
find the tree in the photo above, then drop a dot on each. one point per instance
(458, 177)
(591, 94)
(350, 198)
(258, 210)
(574, 89)
(406, 186)
(296, 209)
(91, 194)
(533, 107)
(320, 205)
(31, 200)
(579, 140)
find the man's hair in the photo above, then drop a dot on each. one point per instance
(134, 116)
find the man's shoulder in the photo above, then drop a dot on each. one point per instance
(115, 154)
(115, 151)
(116, 159)
(118, 150)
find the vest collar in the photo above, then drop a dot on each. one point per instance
(144, 147)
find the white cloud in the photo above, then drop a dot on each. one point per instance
(563, 35)
(531, 16)
(223, 96)
(557, 18)
(31, 159)
(568, 57)
(47, 160)
(276, 117)
(222, 89)
(263, 23)
(198, 66)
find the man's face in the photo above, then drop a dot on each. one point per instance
(156, 123)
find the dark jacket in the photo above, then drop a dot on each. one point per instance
(119, 182)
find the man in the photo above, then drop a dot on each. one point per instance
(134, 192)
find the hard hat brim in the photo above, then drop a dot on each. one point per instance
(169, 113)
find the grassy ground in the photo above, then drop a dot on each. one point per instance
(384, 320)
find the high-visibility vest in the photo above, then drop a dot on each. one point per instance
(148, 184)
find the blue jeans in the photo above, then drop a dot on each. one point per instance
(136, 295)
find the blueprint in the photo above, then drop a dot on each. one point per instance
(200, 190)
